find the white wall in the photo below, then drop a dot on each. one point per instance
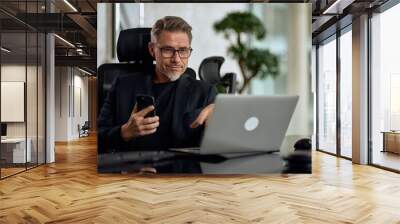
(33, 126)
(80, 111)
(299, 68)
(70, 83)
(17, 73)
(14, 72)
(104, 34)
(61, 103)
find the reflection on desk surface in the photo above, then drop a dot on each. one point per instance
(249, 164)
(168, 162)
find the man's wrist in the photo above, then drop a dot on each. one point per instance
(125, 134)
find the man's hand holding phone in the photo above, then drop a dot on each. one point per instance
(139, 125)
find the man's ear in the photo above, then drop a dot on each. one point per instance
(151, 49)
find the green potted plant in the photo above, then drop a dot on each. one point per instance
(253, 62)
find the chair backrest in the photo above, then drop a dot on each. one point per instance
(132, 46)
(106, 75)
(133, 55)
(209, 71)
(86, 125)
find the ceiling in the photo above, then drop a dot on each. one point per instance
(74, 21)
(331, 15)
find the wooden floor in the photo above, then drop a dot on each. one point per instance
(71, 191)
(5, 172)
(10, 171)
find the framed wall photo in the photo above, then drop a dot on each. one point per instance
(12, 101)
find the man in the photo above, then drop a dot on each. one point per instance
(182, 103)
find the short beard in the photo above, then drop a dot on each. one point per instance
(172, 77)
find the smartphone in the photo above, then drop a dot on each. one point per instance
(144, 101)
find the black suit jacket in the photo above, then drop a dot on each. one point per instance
(191, 97)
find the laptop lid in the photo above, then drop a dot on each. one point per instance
(241, 124)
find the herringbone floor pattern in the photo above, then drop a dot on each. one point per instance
(71, 191)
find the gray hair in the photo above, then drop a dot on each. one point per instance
(171, 24)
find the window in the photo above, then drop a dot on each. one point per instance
(385, 89)
(327, 96)
(22, 66)
(346, 94)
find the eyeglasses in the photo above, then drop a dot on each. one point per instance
(169, 52)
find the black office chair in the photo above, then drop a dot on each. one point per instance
(84, 129)
(209, 71)
(133, 55)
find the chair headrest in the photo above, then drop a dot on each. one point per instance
(132, 45)
(209, 69)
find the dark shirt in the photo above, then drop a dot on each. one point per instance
(164, 95)
(177, 107)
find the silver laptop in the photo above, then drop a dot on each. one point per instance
(247, 124)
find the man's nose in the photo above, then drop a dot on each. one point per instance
(176, 57)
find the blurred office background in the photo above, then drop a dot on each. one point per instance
(288, 37)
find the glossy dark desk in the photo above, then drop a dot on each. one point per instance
(169, 162)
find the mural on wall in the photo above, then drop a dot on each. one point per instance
(124, 144)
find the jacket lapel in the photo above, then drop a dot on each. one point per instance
(181, 98)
